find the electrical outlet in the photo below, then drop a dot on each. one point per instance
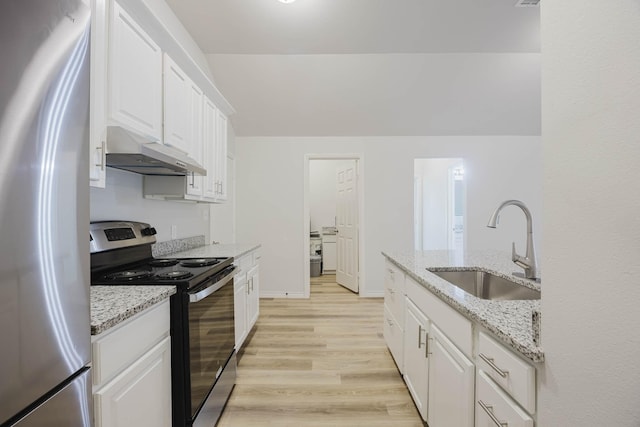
(174, 232)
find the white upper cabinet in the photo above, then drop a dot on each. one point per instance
(210, 114)
(221, 157)
(135, 77)
(177, 90)
(98, 94)
(195, 150)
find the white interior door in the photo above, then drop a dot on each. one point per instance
(347, 225)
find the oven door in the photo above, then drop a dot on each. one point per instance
(211, 334)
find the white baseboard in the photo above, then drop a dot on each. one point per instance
(373, 294)
(282, 295)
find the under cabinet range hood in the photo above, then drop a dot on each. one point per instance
(129, 151)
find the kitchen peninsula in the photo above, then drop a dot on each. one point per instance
(466, 360)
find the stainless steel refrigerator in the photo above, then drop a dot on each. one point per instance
(44, 213)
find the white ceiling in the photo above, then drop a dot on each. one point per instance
(372, 67)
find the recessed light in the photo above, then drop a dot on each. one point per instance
(286, 1)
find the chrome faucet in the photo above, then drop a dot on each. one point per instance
(527, 262)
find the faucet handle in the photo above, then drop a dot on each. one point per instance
(518, 259)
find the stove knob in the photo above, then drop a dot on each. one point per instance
(149, 231)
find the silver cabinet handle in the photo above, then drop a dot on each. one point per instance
(419, 336)
(193, 180)
(489, 361)
(101, 148)
(426, 347)
(489, 410)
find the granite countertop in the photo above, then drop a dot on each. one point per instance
(219, 250)
(509, 321)
(111, 305)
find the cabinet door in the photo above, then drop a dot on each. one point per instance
(135, 77)
(209, 148)
(141, 395)
(176, 106)
(221, 156)
(416, 362)
(494, 406)
(240, 306)
(98, 94)
(329, 256)
(253, 301)
(451, 382)
(393, 336)
(194, 184)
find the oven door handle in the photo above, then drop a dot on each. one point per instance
(200, 295)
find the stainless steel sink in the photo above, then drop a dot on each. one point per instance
(488, 286)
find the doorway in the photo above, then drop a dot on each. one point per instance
(333, 220)
(439, 204)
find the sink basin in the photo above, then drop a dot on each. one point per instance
(488, 286)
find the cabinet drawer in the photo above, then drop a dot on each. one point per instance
(394, 337)
(394, 278)
(517, 378)
(453, 324)
(491, 401)
(244, 264)
(116, 349)
(394, 300)
(256, 256)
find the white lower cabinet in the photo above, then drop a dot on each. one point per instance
(246, 295)
(132, 372)
(495, 408)
(137, 397)
(394, 313)
(253, 296)
(457, 373)
(451, 383)
(440, 378)
(240, 308)
(416, 362)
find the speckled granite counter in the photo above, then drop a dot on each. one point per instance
(509, 321)
(111, 305)
(222, 250)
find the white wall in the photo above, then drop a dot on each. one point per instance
(591, 277)
(323, 191)
(270, 191)
(122, 200)
(382, 94)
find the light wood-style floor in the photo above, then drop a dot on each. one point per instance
(319, 362)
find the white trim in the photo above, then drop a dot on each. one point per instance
(359, 158)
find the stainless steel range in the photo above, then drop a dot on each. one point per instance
(203, 360)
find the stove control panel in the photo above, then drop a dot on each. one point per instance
(114, 234)
(108, 235)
